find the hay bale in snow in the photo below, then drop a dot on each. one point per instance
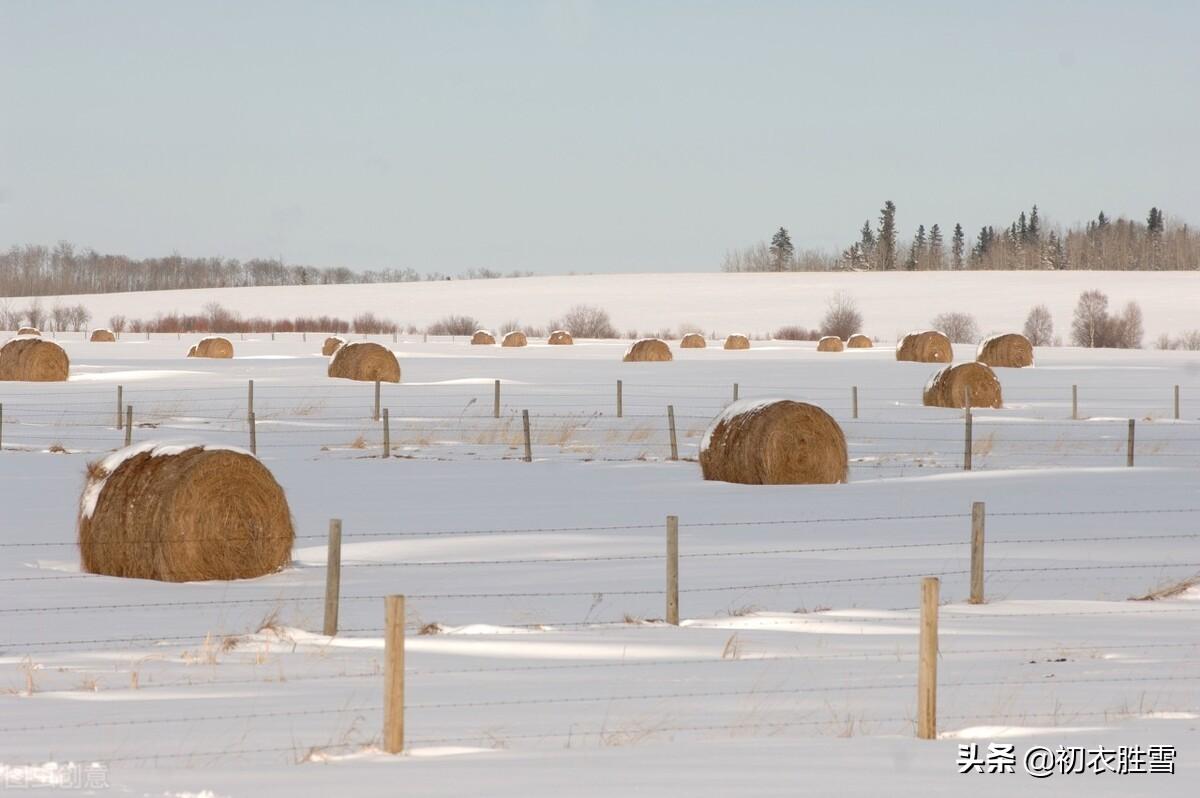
(331, 345)
(774, 442)
(364, 361)
(29, 331)
(102, 336)
(829, 343)
(213, 346)
(560, 338)
(32, 359)
(929, 346)
(483, 338)
(693, 341)
(647, 350)
(1010, 350)
(736, 341)
(181, 513)
(859, 341)
(949, 386)
(514, 338)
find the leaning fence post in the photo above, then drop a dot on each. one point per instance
(128, 425)
(620, 398)
(927, 661)
(253, 435)
(1129, 446)
(671, 422)
(1074, 402)
(977, 530)
(967, 445)
(853, 401)
(333, 577)
(376, 416)
(120, 405)
(528, 443)
(1176, 402)
(393, 675)
(673, 570)
(496, 401)
(387, 434)
(249, 398)
(735, 392)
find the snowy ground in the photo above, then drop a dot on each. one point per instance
(794, 669)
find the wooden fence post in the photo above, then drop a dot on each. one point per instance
(304, 336)
(967, 443)
(1129, 446)
(1176, 402)
(977, 530)
(120, 405)
(528, 443)
(128, 425)
(387, 434)
(496, 401)
(927, 661)
(376, 416)
(620, 399)
(249, 398)
(853, 401)
(673, 570)
(393, 675)
(333, 577)
(671, 423)
(1074, 402)
(253, 435)
(735, 392)
(1, 425)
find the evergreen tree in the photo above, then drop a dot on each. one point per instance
(1101, 221)
(1035, 226)
(935, 247)
(957, 247)
(886, 240)
(1022, 228)
(781, 250)
(866, 243)
(1154, 222)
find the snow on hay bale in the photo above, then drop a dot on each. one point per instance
(693, 341)
(949, 387)
(31, 359)
(102, 336)
(1010, 350)
(647, 350)
(514, 338)
(29, 331)
(774, 442)
(560, 338)
(214, 346)
(859, 341)
(331, 345)
(829, 343)
(929, 346)
(183, 513)
(483, 338)
(364, 361)
(736, 341)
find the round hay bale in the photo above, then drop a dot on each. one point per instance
(514, 338)
(774, 442)
(949, 387)
(737, 341)
(1010, 350)
(859, 341)
(102, 336)
(483, 338)
(331, 345)
(180, 513)
(647, 350)
(830, 343)
(213, 346)
(560, 338)
(693, 341)
(29, 331)
(365, 361)
(33, 360)
(929, 346)
(192, 351)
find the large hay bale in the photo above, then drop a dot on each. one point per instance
(736, 341)
(102, 336)
(949, 387)
(774, 442)
(647, 350)
(214, 346)
(1010, 350)
(331, 345)
(483, 338)
(29, 331)
(829, 343)
(183, 513)
(365, 361)
(859, 341)
(32, 359)
(514, 338)
(560, 338)
(693, 341)
(929, 346)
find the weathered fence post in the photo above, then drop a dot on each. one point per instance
(1, 425)
(376, 416)
(620, 399)
(927, 661)
(735, 392)
(967, 442)
(304, 337)
(977, 531)
(1129, 446)
(1074, 402)
(253, 435)
(1176, 402)
(671, 423)
(673, 570)
(333, 577)
(528, 443)
(393, 675)
(387, 434)
(120, 405)
(853, 401)
(496, 401)
(249, 398)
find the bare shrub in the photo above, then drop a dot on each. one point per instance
(453, 325)
(796, 333)
(960, 328)
(1039, 326)
(117, 324)
(1190, 341)
(586, 321)
(370, 324)
(1093, 326)
(842, 317)
(35, 316)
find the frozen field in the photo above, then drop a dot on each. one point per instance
(543, 667)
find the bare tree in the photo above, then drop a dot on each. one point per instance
(10, 317)
(842, 317)
(453, 325)
(60, 316)
(586, 321)
(117, 324)
(80, 316)
(1039, 326)
(35, 316)
(960, 328)
(1091, 318)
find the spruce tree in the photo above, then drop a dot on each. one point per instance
(781, 250)
(866, 244)
(958, 245)
(935, 247)
(886, 240)
(1035, 226)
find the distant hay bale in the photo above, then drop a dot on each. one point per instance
(647, 350)
(180, 513)
(214, 346)
(1010, 350)
(192, 351)
(693, 341)
(331, 345)
(560, 338)
(859, 341)
(929, 346)
(29, 331)
(33, 360)
(514, 338)
(483, 338)
(102, 336)
(829, 343)
(736, 341)
(949, 386)
(364, 361)
(774, 442)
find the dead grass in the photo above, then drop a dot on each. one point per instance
(1170, 589)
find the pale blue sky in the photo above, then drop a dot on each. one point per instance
(560, 136)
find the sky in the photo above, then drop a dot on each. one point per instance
(559, 137)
